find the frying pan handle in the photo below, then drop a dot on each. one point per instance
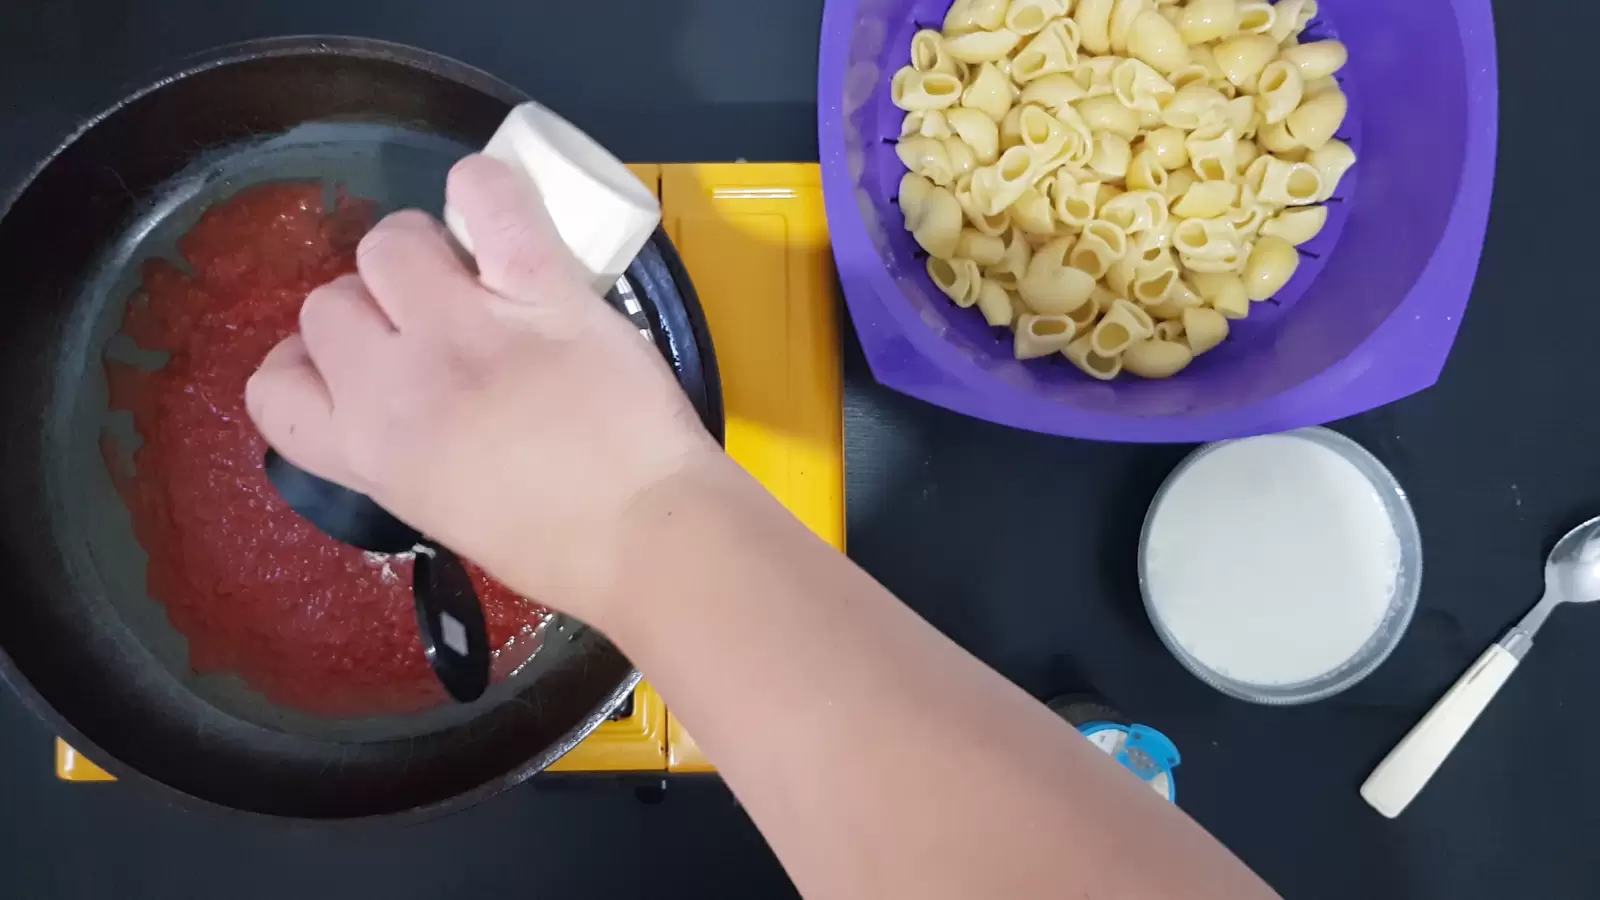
(451, 622)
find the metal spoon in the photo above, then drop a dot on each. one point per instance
(1571, 575)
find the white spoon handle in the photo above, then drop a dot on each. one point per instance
(1396, 781)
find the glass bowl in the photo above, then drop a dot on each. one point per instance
(1402, 605)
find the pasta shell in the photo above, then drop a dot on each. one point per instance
(1318, 59)
(1108, 114)
(1089, 313)
(1031, 16)
(1245, 152)
(1139, 87)
(1019, 255)
(959, 18)
(1156, 41)
(1224, 291)
(1332, 160)
(978, 131)
(928, 53)
(1043, 335)
(959, 279)
(1205, 239)
(1032, 213)
(983, 249)
(926, 157)
(1145, 173)
(1135, 211)
(982, 46)
(1167, 145)
(997, 187)
(995, 304)
(1206, 200)
(1099, 247)
(1272, 263)
(962, 159)
(989, 92)
(1297, 225)
(1156, 359)
(1073, 203)
(913, 198)
(1179, 182)
(1043, 135)
(940, 227)
(1123, 325)
(1275, 138)
(1195, 106)
(1318, 86)
(1051, 287)
(1091, 363)
(1094, 75)
(920, 91)
(1053, 91)
(1241, 58)
(1123, 14)
(1279, 90)
(1317, 120)
(1204, 21)
(1093, 18)
(1213, 153)
(1287, 184)
(1204, 329)
(1257, 17)
(1111, 156)
(989, 14)
(1050, 52)
(1290, 18)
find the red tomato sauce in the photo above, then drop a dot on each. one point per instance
(310, 623)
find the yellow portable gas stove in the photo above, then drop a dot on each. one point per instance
(754, 238)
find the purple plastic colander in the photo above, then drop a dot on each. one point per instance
(1369, 317)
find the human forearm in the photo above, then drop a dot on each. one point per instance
(544, 440)
(878, 757)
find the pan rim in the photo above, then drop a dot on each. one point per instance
(473, 78)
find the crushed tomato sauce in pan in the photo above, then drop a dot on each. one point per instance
(310, 623)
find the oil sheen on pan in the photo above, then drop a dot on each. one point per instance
(310, 623)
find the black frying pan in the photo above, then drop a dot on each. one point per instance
(80, 640)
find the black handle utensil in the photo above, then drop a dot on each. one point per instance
(449, 615)
(658, 299)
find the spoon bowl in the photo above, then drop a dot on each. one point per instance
(1573, 568)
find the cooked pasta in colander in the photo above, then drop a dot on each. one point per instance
(1116, 180)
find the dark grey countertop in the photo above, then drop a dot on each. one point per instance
(1018, 545)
